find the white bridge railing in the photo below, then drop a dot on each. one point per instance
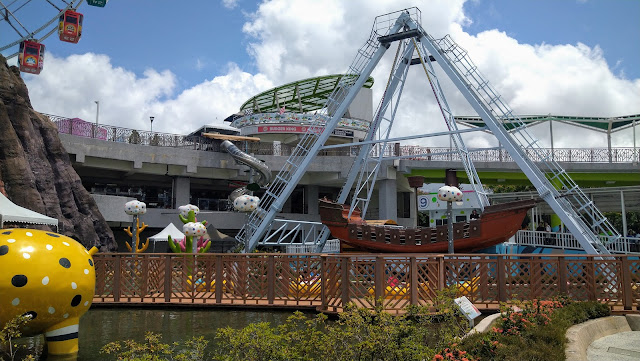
(623, 245)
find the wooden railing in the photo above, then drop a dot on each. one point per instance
(329, 282)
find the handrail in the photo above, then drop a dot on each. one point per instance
(142, 137)
(622, 245)
(328, 282)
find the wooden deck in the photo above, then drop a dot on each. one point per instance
(327, 283)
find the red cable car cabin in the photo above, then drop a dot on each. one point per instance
(70, 26)
(31, 56)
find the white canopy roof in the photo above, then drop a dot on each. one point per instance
(11, 212)
(169, 230)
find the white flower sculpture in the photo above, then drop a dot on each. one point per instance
(194, 229)
(184, 210)
(135, 208)
(449, 194)
(246, 203)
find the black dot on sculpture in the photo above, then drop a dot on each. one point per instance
(53, 235)
(19, 280)
(64, 262)
(7, 232)
(4, 250)
(76, 300)
(91, 263)
(31, 314)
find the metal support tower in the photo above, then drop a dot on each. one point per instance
(553, 183)
(306, 150)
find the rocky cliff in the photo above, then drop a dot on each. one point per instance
(35, 170)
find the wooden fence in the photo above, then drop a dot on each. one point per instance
(329, 282)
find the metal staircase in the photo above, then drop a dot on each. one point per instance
(554, 185)
(318, 133)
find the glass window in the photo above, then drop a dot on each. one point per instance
(72, 19)
(31, 50)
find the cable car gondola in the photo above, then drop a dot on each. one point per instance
(70, 26)
(31, 56)
(99, 3)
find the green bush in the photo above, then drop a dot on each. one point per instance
(9, 333)
(535, 332)
(154, 350)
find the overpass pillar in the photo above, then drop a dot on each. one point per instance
(182, 191)
(388, 199)
(312, 194)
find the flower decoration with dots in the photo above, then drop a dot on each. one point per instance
(191, 228)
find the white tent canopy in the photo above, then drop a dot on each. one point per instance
(169, 230)
(13, 213)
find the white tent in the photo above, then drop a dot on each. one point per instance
(13, 213)
(169, 230)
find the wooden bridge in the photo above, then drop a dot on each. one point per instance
(327, 283)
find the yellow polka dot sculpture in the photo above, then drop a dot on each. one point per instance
(50, 278)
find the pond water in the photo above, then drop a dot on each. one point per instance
(100, 326)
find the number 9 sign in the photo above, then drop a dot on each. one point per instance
(423, 202)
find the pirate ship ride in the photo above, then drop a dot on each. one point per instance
(496, 224)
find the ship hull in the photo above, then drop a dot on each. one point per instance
(496, 225)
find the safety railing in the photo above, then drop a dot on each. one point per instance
(84, 129)
(622, 245)
(329, 282)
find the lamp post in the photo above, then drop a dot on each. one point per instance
(95, 129)
(97, 111)
(151, 119)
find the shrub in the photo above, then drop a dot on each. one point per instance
(9, 333)
(533, 331)
(154, 350)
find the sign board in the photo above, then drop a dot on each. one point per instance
(302, 129)
(468, 309)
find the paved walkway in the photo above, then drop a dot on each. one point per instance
(623, 346)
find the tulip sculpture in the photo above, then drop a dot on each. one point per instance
(191, 228)
(136, 208)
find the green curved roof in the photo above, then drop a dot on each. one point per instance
(302, 96)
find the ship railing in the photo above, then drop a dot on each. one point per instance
(560, 240)
(330, 246)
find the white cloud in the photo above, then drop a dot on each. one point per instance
(290, 40)
(230, 4)
(69, 86)
(127, 100)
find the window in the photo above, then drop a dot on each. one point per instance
(32, 50)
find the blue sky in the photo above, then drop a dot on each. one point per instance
(198, 41)
(614, 25)
(192, 65)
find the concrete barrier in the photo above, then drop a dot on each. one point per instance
(486, 324)
(580, 336)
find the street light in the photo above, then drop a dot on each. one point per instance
(97, 110)
(151, 119)
(95, 129)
